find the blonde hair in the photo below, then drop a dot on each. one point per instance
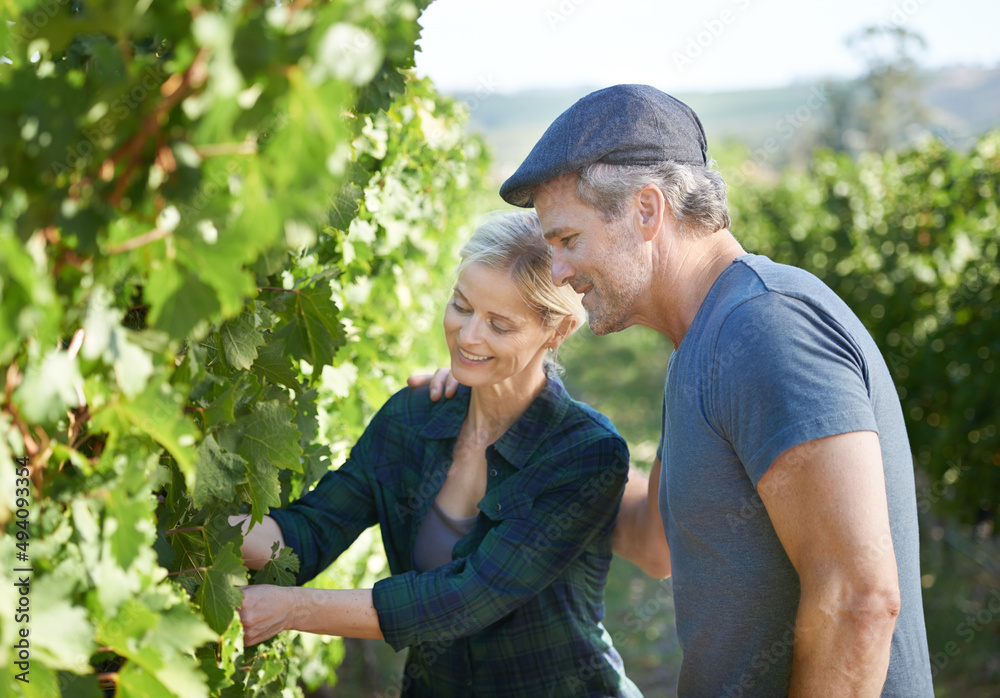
(512, 241)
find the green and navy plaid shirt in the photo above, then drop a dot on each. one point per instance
(518, 610)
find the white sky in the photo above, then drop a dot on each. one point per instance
(509, 45)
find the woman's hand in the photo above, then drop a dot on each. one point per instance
(266, 611)
(441, 381)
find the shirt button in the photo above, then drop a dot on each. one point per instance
(493, 472)
(498, 507)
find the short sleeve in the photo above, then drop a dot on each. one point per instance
(785, 373)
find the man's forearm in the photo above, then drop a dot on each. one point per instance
(639, 535)
(842, 644)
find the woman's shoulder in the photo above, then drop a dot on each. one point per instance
(584, 423)
(413, 406)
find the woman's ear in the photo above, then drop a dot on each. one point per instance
(563, 330)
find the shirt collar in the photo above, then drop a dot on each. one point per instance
(520, 441)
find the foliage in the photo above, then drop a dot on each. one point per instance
(909, 241)
(224, 231)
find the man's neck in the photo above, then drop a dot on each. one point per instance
(684, 270)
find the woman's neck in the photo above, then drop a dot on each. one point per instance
(494, 409)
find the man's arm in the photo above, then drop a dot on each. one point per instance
(639, 535)
(826, 499)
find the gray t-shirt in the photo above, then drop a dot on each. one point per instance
(773, 359)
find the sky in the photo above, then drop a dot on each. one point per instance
(691, 46)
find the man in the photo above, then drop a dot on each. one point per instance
(787, 490)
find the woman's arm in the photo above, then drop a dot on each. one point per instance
(258, 542)
(268, 610)
(639, 535)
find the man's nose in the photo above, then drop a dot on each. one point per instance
(562, 270)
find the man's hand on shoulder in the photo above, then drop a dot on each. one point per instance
(440, 382)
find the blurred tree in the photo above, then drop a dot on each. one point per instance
(882, 109)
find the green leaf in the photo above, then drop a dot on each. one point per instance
(240, 342)
(312, 331)
(62, 636)
(280, 569)
(221, 409)
(270, 436)
(132, 527)
(156, 413)
(262, 489)
(218, 473)
(179, 300)
(272, 364)
(218, 595)
(49, 388)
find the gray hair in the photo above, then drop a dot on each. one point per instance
(512, 242)
(696, 194)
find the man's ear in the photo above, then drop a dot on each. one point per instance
(563, 330)
(651, 208)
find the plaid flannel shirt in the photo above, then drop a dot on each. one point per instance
(518, 610)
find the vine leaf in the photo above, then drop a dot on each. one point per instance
(240, 342)
(218, 595)
(280, 570)
(272, 364)
(312, 331)
(262, 490)
(270, 436)
(218, 473)
(179, 300)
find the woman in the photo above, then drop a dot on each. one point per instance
(496, 507)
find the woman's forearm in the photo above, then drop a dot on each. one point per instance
(259, 540)
(343, 612)
(268, 610)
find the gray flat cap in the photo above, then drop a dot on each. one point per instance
(620, 125)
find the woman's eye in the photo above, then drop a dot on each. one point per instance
(498, 329)
(459, 308)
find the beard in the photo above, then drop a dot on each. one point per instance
(624, 277)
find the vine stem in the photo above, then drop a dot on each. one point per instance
(144, 239)
(193, 569)
(172, 531)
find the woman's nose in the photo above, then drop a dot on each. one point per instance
(472, 330)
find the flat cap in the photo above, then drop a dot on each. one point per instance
(620, 125)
